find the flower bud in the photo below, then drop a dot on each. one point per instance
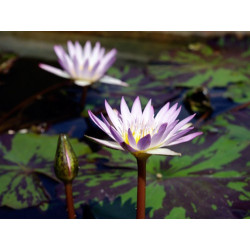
(66, 163)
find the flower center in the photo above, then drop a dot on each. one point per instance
(138, 134)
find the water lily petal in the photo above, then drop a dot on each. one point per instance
(186, 138)
(125, 113)
(161, 113)
(71, 49)
(136, 110)
(131, 139)
(54, 70)
(169, 130)
(59, 52)
(144, 142)
(86, 51)
(174, 115)
(109, 144)
(147, 112)
(128, 148)
(112, 80)
(183, 122)
(105, 120)
(157, 137)
(116, 135)
(100, 124)
(162, 151)
(107, 61)
(177, 136)
(95, 54)
(94, 69)
(113, 116)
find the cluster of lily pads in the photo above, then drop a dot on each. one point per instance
(142, 133)
(210, 180)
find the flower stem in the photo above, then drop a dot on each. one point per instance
(69, 199)
(84, 95)
(141, 188)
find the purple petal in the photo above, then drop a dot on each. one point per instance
(102, 52)
(174, 115)
(54, 70)
(107, 61)
(162, 151)
(136, 110)
(87, 50)
(113, 116)
(186, 138)
(69, 65)
(127, 147)
(71, 49)
(168, 130)
(116, 135)
(131, 139)
(183, 122)
(109, 144)
(95, 53)
(93, 70)
(177, 136)
(144, 142)
(79, 51)
(100, 124)
(157, 137)
(59, 52)
(105, 120)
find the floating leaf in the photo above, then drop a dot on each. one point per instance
(23, 158)
(239, 92)
(201, 65)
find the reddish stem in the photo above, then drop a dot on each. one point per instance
(69, 199)
(141, 188)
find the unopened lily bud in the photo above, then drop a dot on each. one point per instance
(66, 163)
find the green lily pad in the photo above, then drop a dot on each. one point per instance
(201, 66)
(24, 157)
(239, 92)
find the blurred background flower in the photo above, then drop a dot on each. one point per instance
(84, 65)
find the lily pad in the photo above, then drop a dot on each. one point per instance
(202, 66)
(24, 157)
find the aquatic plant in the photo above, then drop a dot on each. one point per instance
(84, 65)
(143, 134)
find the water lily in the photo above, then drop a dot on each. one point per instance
(84, 65)
(142, 133)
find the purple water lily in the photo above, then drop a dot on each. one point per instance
(141, 132)
(84, 65)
